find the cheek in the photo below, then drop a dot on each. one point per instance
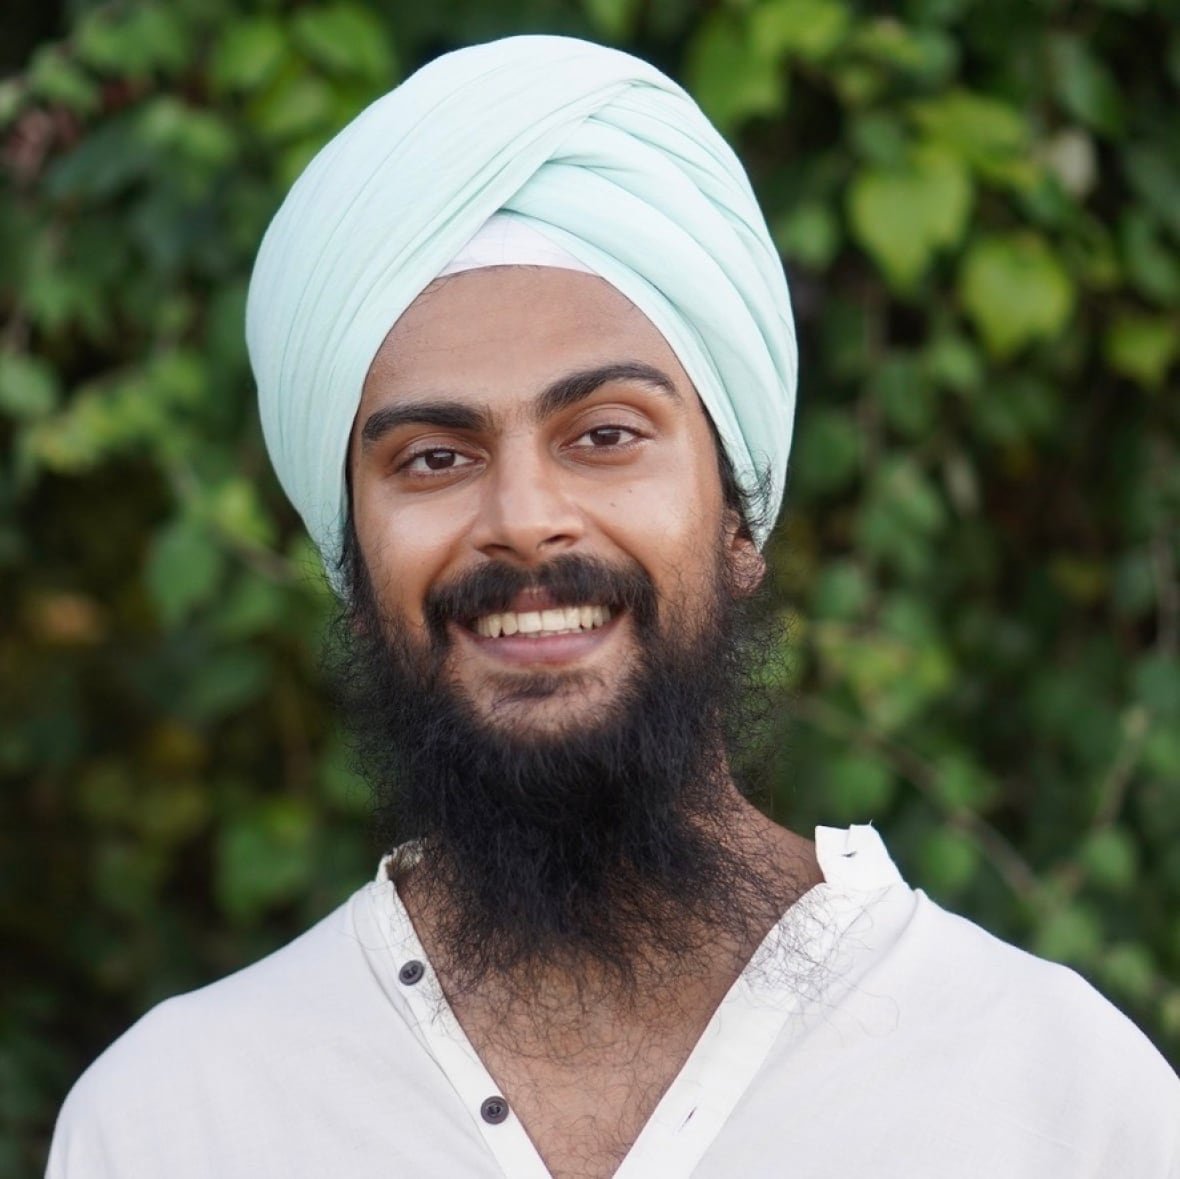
(406, 549)
(670, 525)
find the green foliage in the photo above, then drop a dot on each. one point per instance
(979, 205)
(903, 214)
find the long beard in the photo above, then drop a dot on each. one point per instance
(601, 849)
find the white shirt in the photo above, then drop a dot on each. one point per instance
(874, 1036)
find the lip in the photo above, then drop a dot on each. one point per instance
(549, 650)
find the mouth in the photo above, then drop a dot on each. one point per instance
(537, 629)
(537, 624)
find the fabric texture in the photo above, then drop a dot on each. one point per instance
(616, 165)
(503, 240)
(873, 1034)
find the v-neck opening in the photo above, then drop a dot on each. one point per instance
(723, 1063)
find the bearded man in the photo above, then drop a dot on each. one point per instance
(526, 366)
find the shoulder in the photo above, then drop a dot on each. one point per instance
(945, 976)
(1036, 1028)
(194, 1058)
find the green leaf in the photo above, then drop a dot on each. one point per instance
(943, 12)
(880, 138)
(135, 41)
(1157, 684)
(345, 40)
(892, 681)
(828, 453)
(1143, 347)
(171, 128)
(947, 862)
(1015, 290)
(1129, 969)
(900, 487)
(1133, 588)
(1155, 176)
(902, 216)
(1152, 267)
(55, 78)
(729, 73)
(183, 570)
(127, 877)
(616, 19)
(1084, 85)
(1110, 859)
(13, 95)
(809, 234)
(905, 394)
(254, 605)
(264, 857)
(1080, 580)
(842, 592)
(28, 386)
(859, 786)
(984, 132)
(298, 105)
(1161, 750)
(953, 362)
(248, 55)
(172, 812)
(236, 511)
(961, 783)
(224, 684)
(927, 55)
(1071, 934)
(809, 29)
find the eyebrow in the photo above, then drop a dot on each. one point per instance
(563, 393)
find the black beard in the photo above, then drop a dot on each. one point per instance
(599, 850)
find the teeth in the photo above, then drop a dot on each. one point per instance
(562, 620)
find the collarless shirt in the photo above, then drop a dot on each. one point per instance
(872, 1033)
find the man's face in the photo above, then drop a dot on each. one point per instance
(515, 415)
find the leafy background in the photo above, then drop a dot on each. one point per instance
(979, 206)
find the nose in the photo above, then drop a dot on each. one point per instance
(527, 513)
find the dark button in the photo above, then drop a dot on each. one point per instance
(412, 972)
(494, 1110)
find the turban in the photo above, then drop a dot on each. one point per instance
(599, 151)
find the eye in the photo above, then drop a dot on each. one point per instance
(436, 459)
(604, 436)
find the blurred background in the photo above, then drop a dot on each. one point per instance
(978, 204)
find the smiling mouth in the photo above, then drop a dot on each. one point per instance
(557, 620)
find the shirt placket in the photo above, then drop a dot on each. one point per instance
(442, 1037)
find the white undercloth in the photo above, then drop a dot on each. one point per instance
(875, 1036)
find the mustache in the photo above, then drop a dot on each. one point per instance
(570, 580)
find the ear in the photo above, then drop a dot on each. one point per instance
(747, 566)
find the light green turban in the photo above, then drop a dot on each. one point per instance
(613, 161)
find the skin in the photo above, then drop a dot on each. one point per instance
(624, 473)
(474, 443)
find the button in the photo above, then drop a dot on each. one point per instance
(412, 972)
(494, 1110)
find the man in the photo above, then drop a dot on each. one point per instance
(527, 369)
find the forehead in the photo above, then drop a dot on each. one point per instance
(514, 326)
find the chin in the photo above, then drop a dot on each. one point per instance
(549, 705)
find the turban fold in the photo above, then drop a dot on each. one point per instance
(606, 156)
